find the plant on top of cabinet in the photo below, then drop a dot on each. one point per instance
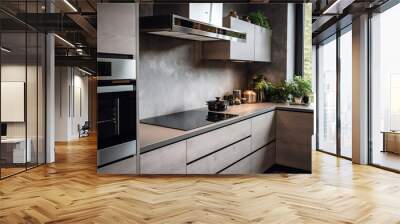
(299, 88)
(259, 19)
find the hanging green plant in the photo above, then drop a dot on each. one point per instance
(259, 19)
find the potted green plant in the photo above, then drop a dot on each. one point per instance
(277, 92)
(299, 88)
(259, 19)
(259, 86)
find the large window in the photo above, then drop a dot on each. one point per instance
(327, 96)
(385, 88)
(334, 100)
(346, 92)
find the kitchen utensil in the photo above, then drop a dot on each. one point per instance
(230, 99)
(237, 95)
(217, 105)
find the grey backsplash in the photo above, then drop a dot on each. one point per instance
(173, 77)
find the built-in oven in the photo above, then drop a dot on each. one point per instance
(116, 101)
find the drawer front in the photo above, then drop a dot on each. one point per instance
(221, 159)
(170, 159)
(258, 162)
(127, 166)
(209, 142)
(263, 130)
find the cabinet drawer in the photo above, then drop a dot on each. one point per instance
(263, 130)
(221, 159)
(258, 162)
(170, 159)
(209, 142)
(127, 166)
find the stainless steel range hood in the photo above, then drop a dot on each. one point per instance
(184, 28)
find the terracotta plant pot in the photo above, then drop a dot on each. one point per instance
(298, 100)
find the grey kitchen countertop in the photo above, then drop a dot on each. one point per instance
(152, 137)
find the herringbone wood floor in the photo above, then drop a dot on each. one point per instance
(70, 191)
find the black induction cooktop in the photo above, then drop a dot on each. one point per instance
(188, 120)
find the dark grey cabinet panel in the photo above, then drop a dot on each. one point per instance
(293, 139)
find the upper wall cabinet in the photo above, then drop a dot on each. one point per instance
(116, 28)
(256, 48)
(262, 44)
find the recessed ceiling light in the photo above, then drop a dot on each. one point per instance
(5, 50)
(64, 40)
(70, 5)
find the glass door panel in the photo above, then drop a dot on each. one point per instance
(346, 94)
(327, 96)
(385, 89)
(13, 90)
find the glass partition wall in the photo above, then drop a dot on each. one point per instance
(22, 99)
(385, 89)
(334, 93)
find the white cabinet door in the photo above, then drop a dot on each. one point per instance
(200, 12)
(206, 12)
(239, 50)
(116, 28)
(262, 41)
(170, 159)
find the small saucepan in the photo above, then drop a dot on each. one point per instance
(217, 105)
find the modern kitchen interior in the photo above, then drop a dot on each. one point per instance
(199, 112)
(220, 87)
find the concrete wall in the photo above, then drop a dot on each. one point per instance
(173, 77)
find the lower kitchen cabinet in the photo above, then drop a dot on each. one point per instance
(257, 162)
(262, 130)
(126, 166)
(212, 141)
(170, 159)
(215, 162)
(294, 132)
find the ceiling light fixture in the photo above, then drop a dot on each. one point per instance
(84, 71)
(70, 5)
(337, 7)
(5, 50)
(64, 40)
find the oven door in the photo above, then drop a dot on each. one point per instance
(116, 123)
